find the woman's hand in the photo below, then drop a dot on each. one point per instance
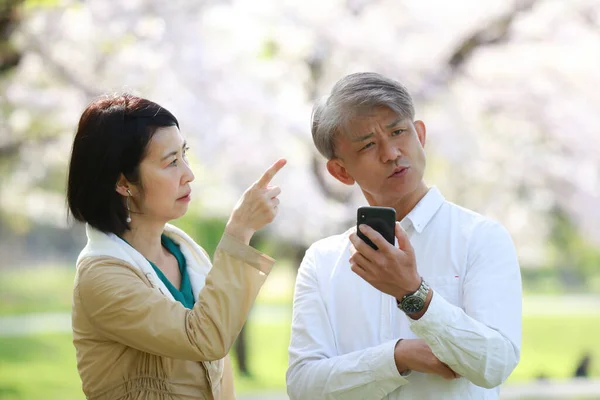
(257, 207)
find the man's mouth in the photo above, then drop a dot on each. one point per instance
(399, 171)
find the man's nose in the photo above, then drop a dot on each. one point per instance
(389, 152)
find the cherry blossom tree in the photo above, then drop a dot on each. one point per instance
(506, 89)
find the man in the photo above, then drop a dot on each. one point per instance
(438, 315)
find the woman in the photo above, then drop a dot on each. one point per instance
(152, 318)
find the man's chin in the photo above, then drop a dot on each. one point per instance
(398, 193)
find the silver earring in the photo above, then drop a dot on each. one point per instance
(127, 205)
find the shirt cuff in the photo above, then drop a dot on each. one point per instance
(248, 254)
(437, 318)
(382, 364)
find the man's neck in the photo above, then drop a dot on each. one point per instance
(145, 237)
(404, 205)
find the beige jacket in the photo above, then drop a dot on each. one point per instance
(133, 341)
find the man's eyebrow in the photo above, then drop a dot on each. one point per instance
(361, 138)
(396, 122)
(368, 135)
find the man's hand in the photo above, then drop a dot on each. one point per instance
(390, 269)
(416, 355)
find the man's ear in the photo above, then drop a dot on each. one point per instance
(421, 132)
(336, 168)
(122, 186)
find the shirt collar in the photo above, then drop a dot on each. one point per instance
(424, 211)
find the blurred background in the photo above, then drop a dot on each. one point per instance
(509, 91)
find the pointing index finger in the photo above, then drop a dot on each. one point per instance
(270, 173)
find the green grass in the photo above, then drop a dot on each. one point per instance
(42, 289)
(267, 355)
(552, 346)
(43, 366)
(38, 367)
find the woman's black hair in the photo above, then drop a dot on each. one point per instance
(112, 139)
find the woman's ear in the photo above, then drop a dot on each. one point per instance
(123, 186)
(336, 168)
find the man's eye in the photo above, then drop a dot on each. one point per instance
(398, 132)
(368, 145)
(173, 163)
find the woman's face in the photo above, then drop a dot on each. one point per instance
(165, 175)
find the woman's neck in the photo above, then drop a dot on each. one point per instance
(146, 238)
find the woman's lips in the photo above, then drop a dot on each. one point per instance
(185, 198)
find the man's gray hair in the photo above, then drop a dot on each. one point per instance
(352, 96)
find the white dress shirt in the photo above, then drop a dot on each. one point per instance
(344, 330)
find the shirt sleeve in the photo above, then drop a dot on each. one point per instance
(123, 308)
(315, 370)
(482, 340)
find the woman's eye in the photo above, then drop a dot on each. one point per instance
(174, 163)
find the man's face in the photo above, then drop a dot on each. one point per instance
(382, 153)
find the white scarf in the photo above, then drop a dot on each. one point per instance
(103, 244)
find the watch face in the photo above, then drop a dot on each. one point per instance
(412, 304)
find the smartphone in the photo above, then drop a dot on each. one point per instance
(382, 219)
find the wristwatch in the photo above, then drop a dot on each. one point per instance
(414, 302)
